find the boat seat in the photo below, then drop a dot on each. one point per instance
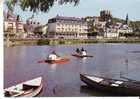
(28, 87)
(98, 80)
(115, 85)
(119, 82)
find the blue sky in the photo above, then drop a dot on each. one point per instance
(118, 8)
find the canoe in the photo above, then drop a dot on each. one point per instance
(81, 56)
(29, 88)
(58, 61)
(120, 87)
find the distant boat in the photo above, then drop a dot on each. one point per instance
(29, 88)
(81, 56)
(112, 85)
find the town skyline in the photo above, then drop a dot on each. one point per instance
(118, 9)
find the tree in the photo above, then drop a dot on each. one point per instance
(37, 5)
(10, 4)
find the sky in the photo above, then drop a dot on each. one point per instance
(118, 8)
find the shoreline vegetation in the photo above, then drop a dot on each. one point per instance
(20, 42)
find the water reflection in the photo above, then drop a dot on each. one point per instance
(53, 67)
(84, 60)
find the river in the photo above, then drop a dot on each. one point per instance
(20, 64)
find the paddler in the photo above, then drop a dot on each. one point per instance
(83, 52)
(53, 56)
(78, 50)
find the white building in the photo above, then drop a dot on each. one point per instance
(13, 26)
(31, 24)
(114, 31)
(125, 29)
(111, 33)
(41, 29)
(67, 27)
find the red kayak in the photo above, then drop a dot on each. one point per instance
(81, 56)
(60, 61)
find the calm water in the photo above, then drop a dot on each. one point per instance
(20, 64)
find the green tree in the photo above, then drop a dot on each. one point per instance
(37, 5)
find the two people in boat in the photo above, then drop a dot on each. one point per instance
(53, 56)
(81, 52)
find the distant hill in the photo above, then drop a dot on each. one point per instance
(115, 20)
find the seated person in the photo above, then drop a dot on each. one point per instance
(82, 49)
(78, 50)
(53, 56)
(83, 52)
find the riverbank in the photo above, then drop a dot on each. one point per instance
(18, 42)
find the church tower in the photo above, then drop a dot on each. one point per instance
(127, 20)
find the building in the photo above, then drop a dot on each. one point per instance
(114, 31)
(31, 25)
(124, 27)
(41, 31)
(34, 29)
(92, 22)
(96, 26)
(104, 26)
(13, 25)
(111, 33)
(99, 22)
(67, 27)
(105, 15)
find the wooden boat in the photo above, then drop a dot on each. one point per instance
(112, 85)
(81, 56)
(25, 89)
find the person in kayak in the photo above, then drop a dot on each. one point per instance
(78, 50)
(53, 56)
(83, 52)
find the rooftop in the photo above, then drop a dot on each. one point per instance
(67, 18)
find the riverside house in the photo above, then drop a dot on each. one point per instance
(13, 25)
(67, 28)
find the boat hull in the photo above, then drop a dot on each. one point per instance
(61, 61)
(121, 90)
(81, 56)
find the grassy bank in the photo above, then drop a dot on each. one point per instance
(69, 41)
